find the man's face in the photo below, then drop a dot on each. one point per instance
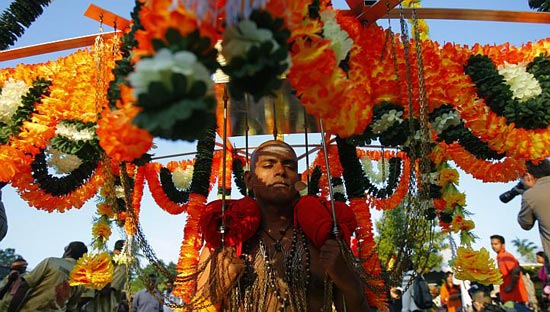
(528, 180)
(477, 306)
(496, 245)
(275, 171)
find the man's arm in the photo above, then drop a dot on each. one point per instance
(526, 218)
(348, 284)
(213, 282)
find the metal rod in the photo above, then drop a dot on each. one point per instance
(330, 190)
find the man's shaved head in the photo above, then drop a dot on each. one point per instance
(273, 147)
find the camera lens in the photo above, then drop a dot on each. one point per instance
(506, 197)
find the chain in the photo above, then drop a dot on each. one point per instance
(99, 59)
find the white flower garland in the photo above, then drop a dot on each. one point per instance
(523, 84)
(162, 65)
(70, 132)
(182, 177)
(63, 163)
(341, 43)
(380, 175)
(386, 121)
(10, 99)
(239, 38)
(446, 120)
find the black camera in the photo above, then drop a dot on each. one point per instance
(512, 193)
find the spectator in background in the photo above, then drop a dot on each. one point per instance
(46, 288)
(147, 299)
(450, 294)
(168, 293)
(395, 304)
(482, 302)
(3, 217)
(408, 280)
(513, 287)
(11, 282)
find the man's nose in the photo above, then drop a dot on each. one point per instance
(279, 169)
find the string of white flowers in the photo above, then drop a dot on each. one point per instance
(380, 175)
(61, 162)
(10, 99)
(523, 84)
(240, 37)
(386, 121)
(444, 121)
(70, 132)
(163, 65)
(341, 43)
(182, 177)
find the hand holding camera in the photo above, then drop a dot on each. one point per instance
(512, 193)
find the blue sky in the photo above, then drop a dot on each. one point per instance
(37, 234)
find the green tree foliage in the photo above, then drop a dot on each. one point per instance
(525, 248)
(6, 258)
(140, 277)
(402, 234)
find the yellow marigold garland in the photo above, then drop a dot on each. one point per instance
(92, 271)
(476, 266)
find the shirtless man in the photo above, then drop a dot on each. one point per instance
(282, 270)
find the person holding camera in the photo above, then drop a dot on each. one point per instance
(535, 203)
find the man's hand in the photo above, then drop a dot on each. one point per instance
(330, 257)
(227, 267)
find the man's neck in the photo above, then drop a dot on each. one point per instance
(276, 216)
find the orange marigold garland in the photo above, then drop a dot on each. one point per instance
(519, 143)
(505, 170)
(353, 174)
(192, 240)
(318, 78)
(402, 188)
(92, 271)
(118, 137)
(152, 171)
(31, 191)
(367, 253)
(334, 164)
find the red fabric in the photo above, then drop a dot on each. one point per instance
(242, 219)
(314, 215)
(507, 262)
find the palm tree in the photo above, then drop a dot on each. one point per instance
(525, 248)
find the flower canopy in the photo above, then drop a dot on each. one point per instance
(84, 125)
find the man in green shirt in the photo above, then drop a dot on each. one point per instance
(46, 288)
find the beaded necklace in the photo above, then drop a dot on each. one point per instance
(261, 281)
